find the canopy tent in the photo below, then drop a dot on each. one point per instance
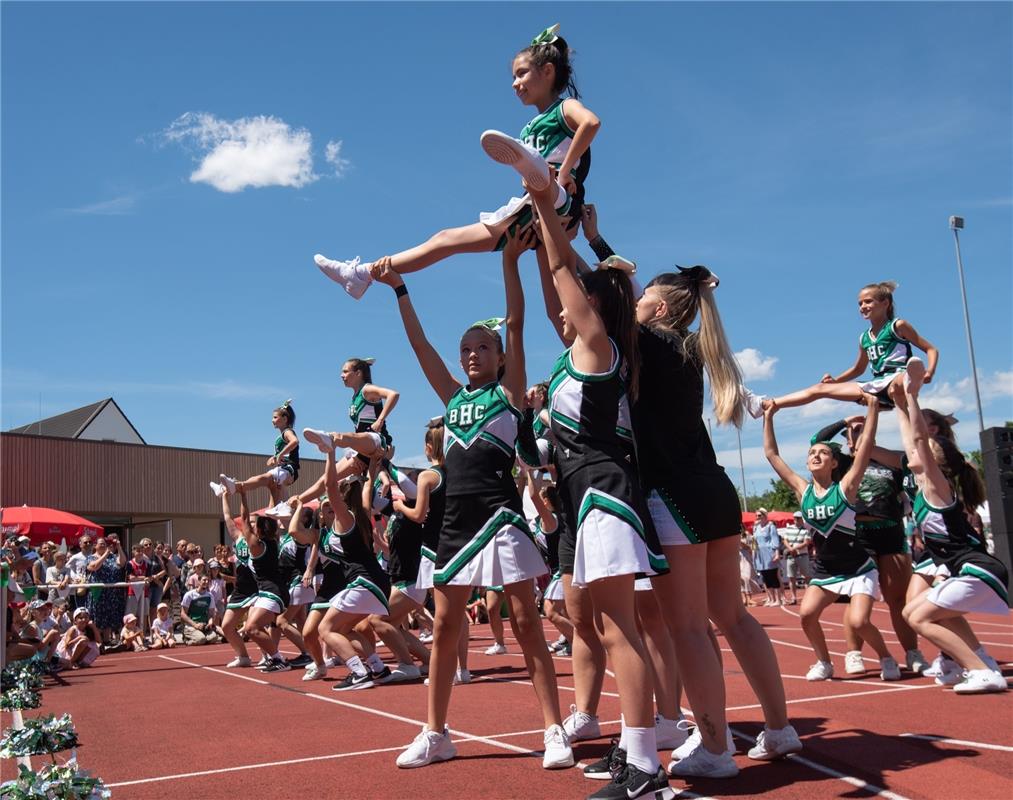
(47, 524)
(779, 518)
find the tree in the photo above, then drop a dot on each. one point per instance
(778, 497)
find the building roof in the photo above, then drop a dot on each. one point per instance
(72, 424)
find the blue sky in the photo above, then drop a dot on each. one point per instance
(799, 150)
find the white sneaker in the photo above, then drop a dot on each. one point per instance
(314, 673)
(557, 749)
(579, 726)
(979, 681)
(820, 671)
(889, 670)
(281, 511)
(496, 649)
(915, 661)
(854, 664)
(461, 676)
(217, 488)
(228, 483)
(405, 672)
(935, 669)
(427, 748)
(353, 277)
(239, 661)
(753, 403)
(526, 160)
(702, 763)
(952, 675)
(425, 637)
(671, 733)
(771, 744)
(694, 741)
(321, 439)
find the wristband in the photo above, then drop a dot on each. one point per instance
(401, 291)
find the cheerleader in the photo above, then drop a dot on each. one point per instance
(485, 539)
(948, 486)
(244, 591)
(842, 567)
(284, 464)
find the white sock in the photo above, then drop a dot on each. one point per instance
(355, 665)
(374, 662)
(642, 749)
(622, 732)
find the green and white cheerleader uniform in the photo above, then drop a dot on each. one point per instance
(287, 469)
(485, 539)
(554, 591)
(272, 588)
(977, 580)
(690, 498)
(366, 584)
(363, 414)
(929, 566)
(841, 565)
(330, 560)
(888, 353)
(611, 532)
(404, 538)
(405, 481)
(292, 566)
(431, 529)
(244, 592)
(549, 134)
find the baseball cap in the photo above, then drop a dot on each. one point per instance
(213, 564)
(761, 510)
(129, 618)
(80, 612)
(38, 602)
(24, 538)
(798, 515)
(161, 606)
(197, 561)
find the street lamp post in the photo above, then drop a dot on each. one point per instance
(957, 224)
(742, 470)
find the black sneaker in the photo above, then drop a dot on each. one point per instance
(609, 765)
(353, 682)
(300, 660)
(631, 782)
(383, 676)
(276, 665)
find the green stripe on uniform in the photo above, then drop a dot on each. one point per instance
(987, 578)
(677, 517)
(372, 587)
(595, 499)
(503, 517)
(868, 566)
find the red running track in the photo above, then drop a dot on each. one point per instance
(172, 724)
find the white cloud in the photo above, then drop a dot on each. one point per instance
(247, 152)
(117, 206)
(332, 153)
(949, 397)
(754, 365)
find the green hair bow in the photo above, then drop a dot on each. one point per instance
(548, 36)
(492, 324)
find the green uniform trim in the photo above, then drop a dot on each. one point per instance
(868, 566)
(986, 577)
(504, 517)
(595, 499)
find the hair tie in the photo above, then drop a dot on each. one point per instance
(699, 275)
(287, 403)
(548, 36)
(492, 324)
(435, 422)
(618, 263)
(367, 361)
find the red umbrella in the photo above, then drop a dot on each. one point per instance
(47, 524)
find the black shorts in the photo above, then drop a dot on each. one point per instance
(770, 578)
(694, 508)
(881, 537)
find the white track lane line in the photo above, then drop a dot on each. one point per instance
(891, 690)
(963, 742)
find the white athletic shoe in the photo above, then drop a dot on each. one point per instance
(952, 676)
(889, 670)
(579, 726)
(771, 745)
(322, 439)
(461, 676)
(979, 681)
(314, 673)
(702, 763)
(496, 649)
(671, 733)
(753, 403)
(217, 488)
(427, 748)
(405, 672)
(425, 637)
(281, 511)
(513, 152)
(353, 277)
(228, 483)
(939, 665)
(820, 671)
(239, 661)
(694, 740)
(854, 664)
(915, 661)
(557, 749)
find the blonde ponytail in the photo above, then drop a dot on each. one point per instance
(719, 361)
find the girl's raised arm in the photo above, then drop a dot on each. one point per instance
(915, 434)
(853, 371)
(907, 331)
(797, 483)
(417, 513)
(389, 397)
(296, 530)
(230, 524)
(514, 379)
(433, 368)
(585, 124)
(853, 477)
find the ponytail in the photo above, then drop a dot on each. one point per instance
(962, 475)
(434, 438)
(613, 290)
(352, 495)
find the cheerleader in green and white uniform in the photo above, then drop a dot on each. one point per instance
(244, 591)
(948, 485)
(842, 566)
(560, 134)
(485, 539)
(885, 347)
(283, 465)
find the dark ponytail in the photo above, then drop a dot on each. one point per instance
(617, 308)
(351, 492)
(288, 411)
(363, 367)
(961, 474)
(558, 54)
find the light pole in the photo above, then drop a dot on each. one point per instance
(742, 470)
(957, 224)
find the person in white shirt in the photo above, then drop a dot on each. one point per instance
(161, 628)
(198, 611)
(796, 541)
(59, 575)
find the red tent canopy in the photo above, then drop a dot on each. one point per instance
(47, 524)
(779, 518)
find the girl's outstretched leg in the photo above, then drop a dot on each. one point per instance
(834, 391)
